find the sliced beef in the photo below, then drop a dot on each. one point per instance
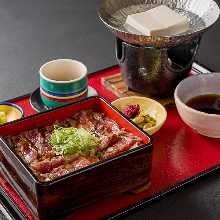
(85, 120)
(55, 173)
(123, 144)
(38, 140)
(46, 166)
(80, 162)
(34, 145)
(25, 149)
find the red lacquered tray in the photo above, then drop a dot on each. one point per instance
(180, 156)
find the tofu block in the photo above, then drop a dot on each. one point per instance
(159, 21)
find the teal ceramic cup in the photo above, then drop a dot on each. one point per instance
(62, 81)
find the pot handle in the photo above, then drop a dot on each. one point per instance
(120, 50)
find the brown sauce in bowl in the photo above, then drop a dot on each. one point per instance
(209, 103)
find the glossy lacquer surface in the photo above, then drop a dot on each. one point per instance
(179, 154)
(84, 186)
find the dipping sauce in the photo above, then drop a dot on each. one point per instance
(209, 103)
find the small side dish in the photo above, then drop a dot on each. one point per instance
(9, 112)
(146, 113)
(72, 144)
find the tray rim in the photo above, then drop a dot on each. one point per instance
(156, 197)
(17, 214)
(10, 205)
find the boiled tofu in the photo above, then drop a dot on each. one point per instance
(159, 21)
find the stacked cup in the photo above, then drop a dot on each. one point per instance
(62, 81)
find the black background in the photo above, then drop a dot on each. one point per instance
(35, 31)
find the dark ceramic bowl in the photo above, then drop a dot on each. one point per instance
(127, 171)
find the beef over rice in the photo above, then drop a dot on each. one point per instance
(72, 144)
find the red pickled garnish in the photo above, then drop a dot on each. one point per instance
(132, 111)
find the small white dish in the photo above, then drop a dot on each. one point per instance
(204, 123)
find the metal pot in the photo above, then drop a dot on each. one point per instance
(155, 71)
(155, 64)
